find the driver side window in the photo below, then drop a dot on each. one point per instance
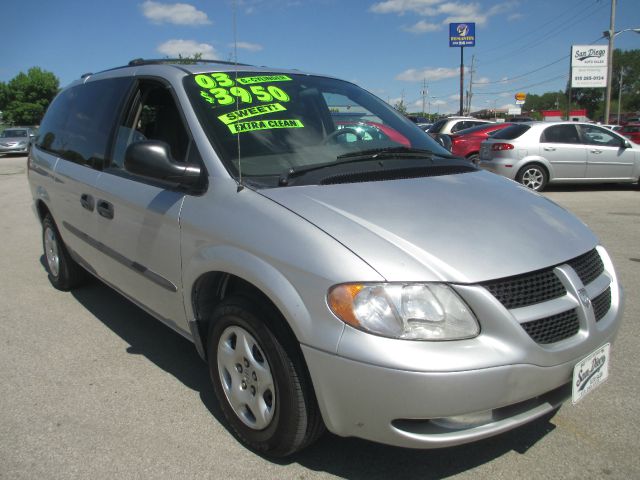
(599, 136)
(154, 116)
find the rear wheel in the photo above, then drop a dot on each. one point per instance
(533, 176)
(260, 380)
(63, 272)
(474, 158)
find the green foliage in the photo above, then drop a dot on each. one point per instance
(400, 107)
(25, 98)
(189, 60)
(629, 62)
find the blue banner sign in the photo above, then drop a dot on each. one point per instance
(462, 34)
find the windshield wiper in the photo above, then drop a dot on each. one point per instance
(387, 152)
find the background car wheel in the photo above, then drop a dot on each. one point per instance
(533, 176)
(474, 158)
(64, 273)
(260, 380)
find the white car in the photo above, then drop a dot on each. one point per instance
(538, 153)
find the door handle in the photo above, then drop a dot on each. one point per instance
(87, 201)
(550, 149)
(105, 209)
(596, 151)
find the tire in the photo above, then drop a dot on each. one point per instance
(474, 158)
(260, 380)
(63, 272)
(533, 176)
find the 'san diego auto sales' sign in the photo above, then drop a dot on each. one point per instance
(589, 66)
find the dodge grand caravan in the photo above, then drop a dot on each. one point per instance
(327, 276)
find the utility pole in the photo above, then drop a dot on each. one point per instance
(470, 94)
(620, 94)
(424, 94)
(612, 33)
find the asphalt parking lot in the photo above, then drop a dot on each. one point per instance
(92, 387)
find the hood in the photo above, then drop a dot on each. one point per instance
(462, 228)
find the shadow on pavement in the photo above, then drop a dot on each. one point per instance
(344, 457)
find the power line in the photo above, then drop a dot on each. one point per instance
(586, 13)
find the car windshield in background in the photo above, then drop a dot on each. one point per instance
(276, 123)
(511, 133)
(14, 133)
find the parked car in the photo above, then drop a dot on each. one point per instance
(631, 131)
(423, 122)
(615, 128)
(466, 143)
(16, 140)
(441, 129)
(536, 154)
(327, 279)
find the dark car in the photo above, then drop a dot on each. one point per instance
(466, 143)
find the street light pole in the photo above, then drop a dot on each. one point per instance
(620, 94)
(612, 34)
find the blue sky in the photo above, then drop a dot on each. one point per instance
(388, 47)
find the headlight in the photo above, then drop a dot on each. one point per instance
(22, 143)
(424, 311)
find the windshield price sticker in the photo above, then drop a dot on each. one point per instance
(237, 115)
(228, 96)
(590, 372)
(263, 79)
(241, 127)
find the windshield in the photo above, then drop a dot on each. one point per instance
(277, 123)
(14, 133)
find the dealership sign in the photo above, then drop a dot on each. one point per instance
(589, 66)
(462, 34)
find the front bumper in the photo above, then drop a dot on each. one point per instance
(398, 407)
(14, 149)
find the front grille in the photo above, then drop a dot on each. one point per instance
(554, 328)
(588, 266)
(602, 304)
(528, 289)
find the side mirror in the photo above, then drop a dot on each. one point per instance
(626, 144)
(152, 159)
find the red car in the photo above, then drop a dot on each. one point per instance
(631, 131)
(466, 143)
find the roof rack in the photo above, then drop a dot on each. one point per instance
(184, 61)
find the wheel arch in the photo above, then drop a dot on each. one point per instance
(237, 272)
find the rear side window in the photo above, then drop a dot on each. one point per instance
(80, 121)
(512, 132)
(560, 134)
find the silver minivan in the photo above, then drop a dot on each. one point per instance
(334, 266)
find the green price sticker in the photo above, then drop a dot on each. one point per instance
(237, 115)
(241, 127)
(264, 79)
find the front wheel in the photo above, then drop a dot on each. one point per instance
(260, 380)
(533, 176)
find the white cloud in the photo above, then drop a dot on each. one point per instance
(515, 16)
(187, 48)
(439, 102)
(176, 13)
(423, 27)
(453, 10)
(432, 74)
(421, 7)
(251, 47)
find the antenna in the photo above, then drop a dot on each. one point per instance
(235, 60)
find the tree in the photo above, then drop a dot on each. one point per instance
(400, 107)
(25, 98)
